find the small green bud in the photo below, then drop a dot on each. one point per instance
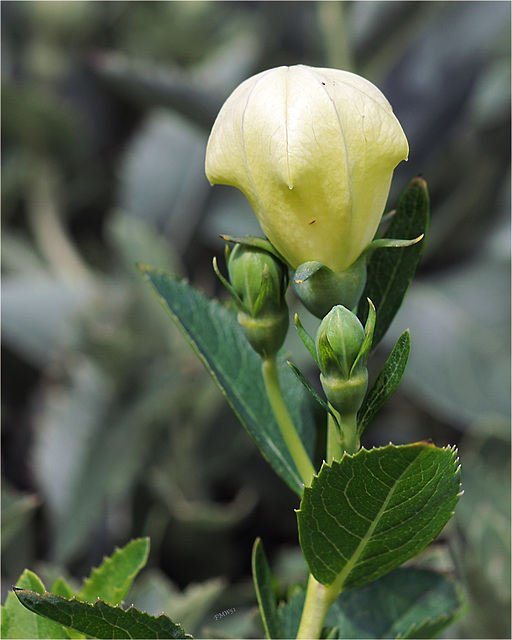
(259, 281)
(339, 342)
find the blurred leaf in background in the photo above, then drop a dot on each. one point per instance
(111, 428)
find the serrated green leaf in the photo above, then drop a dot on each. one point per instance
(386, 382)
(99, 620)
(18, 622)
(263, 578)
(390, 271)
(215, 335)
(61, 588)
(369, 512)
(112, 580)
(406, 603)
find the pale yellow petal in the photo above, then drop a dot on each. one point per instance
(313, 150)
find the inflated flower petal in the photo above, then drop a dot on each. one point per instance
(314, 151)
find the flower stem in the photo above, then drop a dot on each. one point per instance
(334, 446)
(291, 437)
(349, 435)
(318, 600)
(347, 440)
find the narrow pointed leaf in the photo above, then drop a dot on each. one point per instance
(386, 382)
(263, 579)
(370, 512)
(112, 580)
(391, 270)
(99, 620)
(215, 335)
(406, 603)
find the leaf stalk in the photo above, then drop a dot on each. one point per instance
(318, 600)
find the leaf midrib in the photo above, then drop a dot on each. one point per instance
(340, 579)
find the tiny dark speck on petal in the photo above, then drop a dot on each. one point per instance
(312, 221)
(323, 83)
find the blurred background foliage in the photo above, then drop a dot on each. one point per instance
(111, 428)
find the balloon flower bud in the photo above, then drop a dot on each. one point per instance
(341, 347)
(313, 150)
(258, 285)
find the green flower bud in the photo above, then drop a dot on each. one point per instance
(341, 354)
(259, 282)
(248, 267)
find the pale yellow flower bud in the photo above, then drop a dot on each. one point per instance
(314, 151)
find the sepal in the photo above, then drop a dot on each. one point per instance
(391, 243)
(369, 328)
(320, 288)
(307, 340)
(227, 285)
(256, 243)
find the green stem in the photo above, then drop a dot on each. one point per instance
(334, 446)
(318, 600)
(349, 435)
(291, 437)
(347, 441)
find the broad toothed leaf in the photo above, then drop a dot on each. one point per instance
(112, 580)
(18, 622)
(99, 620)
(370, 512)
